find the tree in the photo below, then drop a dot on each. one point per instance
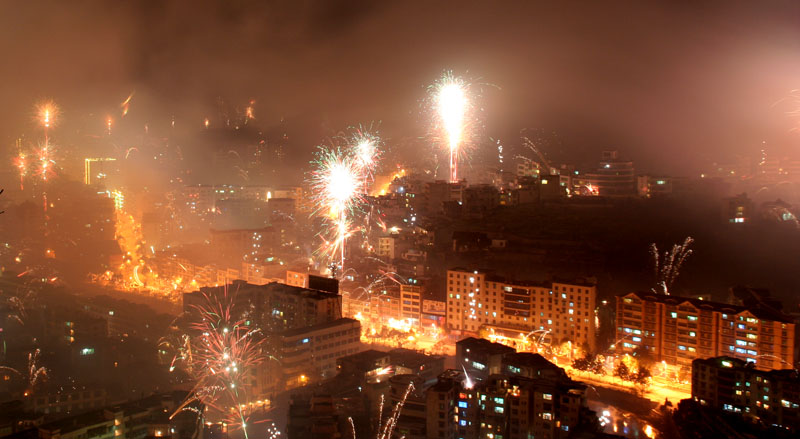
(641, 376)
(597, 366)
(622, 372)
(643, 356)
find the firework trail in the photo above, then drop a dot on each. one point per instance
(452, 106)
(224, 351)
(666, 266)
(352, 426)
(21, 164)
(390, 424)
(33, 374)
(126, 104)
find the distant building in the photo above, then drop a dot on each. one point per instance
(649, 186)
(737, 210)
(144, 418)
(614, 177)
(386, 247)
(478, 300)
(734, 385)
(679, 330)
(68, 401)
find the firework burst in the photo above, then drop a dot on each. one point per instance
(667, 266)
(366, 146)
(337, 186)
(225, 352)
(33, 374)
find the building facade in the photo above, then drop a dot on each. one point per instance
(480, 301)
(678, 330)
(310, 354)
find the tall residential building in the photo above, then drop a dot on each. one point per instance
(727, 383)
(478, 300)
(679, 329)
(508, 407)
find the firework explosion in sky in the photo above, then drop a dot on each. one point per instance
(338, 186)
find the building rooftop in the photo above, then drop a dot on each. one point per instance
(492, 276)
(77, 422)
(270, 288)
(736, 363)
(528, 359)
(485, 345)
(319, 327)
(761, 313)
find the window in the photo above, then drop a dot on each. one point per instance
(547, 396)
(692, 318)
(692, 334)
(674, 315)
(498, 400)
(462, 404)
(547, 416)
(498, 409)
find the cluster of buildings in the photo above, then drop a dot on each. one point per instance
(514, 395)
(150, 417)
(303, 328)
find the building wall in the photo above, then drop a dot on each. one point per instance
(310, 354)
(727, 383)
(476, 301)
(678, 330)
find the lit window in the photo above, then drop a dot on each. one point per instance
(692, 318)
(674, 315)
(547, 396)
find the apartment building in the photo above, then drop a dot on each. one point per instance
(478, 300)
(735, 385)
(678, 330)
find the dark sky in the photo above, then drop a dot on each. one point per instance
(665, 82)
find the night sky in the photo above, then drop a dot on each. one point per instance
(673, 85)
